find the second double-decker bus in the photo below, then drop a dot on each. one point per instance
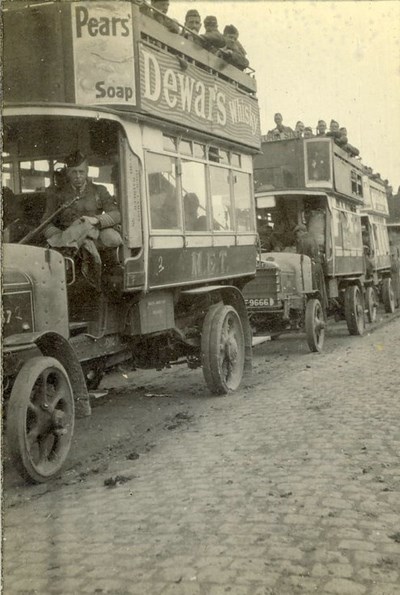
(310, 193)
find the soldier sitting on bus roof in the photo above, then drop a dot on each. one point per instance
(333, 131)
(308, 133)
(233, 51)
(238, 44)
(321, 128)
(87, 222)
(162, 6)
(339, 134)
(280, 132)
(192, 22)
(212, 38)
(299, 129)
(352, 151)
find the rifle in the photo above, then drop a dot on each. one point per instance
(49, 219)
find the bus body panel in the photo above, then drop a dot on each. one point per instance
(169, 267)
(35, 297)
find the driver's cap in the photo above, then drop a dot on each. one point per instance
(74, 159)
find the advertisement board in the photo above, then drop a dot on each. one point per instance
(103, 53)
(190, 96)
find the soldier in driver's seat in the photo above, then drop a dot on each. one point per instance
(89, 221)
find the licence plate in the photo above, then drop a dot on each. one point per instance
(17, 312)
(259, 302)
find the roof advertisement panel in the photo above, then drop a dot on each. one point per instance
(103, 53)
(183, 93)
(379, 200)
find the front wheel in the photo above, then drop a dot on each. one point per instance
(315, 325)
(371, 303)
(40, 419)
(222, 349)
(388, 298)
(354, 310)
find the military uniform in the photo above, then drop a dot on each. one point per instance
(282, 133)
(94, 201)
(212, 38)
(234, 55)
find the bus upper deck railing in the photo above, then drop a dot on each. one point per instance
(189, 47)
(114, 55)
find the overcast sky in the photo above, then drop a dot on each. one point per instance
(321, 59)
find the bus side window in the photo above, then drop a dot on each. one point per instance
(194, 196)
(220, 198)
(161, 171)
(243, 208)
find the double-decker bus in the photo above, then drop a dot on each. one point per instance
(159, 119)
(315, 187)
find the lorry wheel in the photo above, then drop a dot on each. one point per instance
(371, 303)
(222, 349)
(354, 310)
(315, 325)
(40, 419)
(388, 295)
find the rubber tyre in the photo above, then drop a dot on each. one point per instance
(315, 325)
(371, 303)
(205, 344)
(354, 310)
(388, 297)
(222, 349)
(40, 419)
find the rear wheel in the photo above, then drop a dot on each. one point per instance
(371, 303)
(354, 310)
(40, 419)
(315, 325)
(223, 349)
(388, 298)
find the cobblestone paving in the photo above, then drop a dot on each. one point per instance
(290, 486)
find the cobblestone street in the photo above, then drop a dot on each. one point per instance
(289, 486)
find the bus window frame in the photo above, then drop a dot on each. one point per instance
(162, 231)
(205, 161)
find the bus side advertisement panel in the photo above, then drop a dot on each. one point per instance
(192, 97)
(103, 53)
